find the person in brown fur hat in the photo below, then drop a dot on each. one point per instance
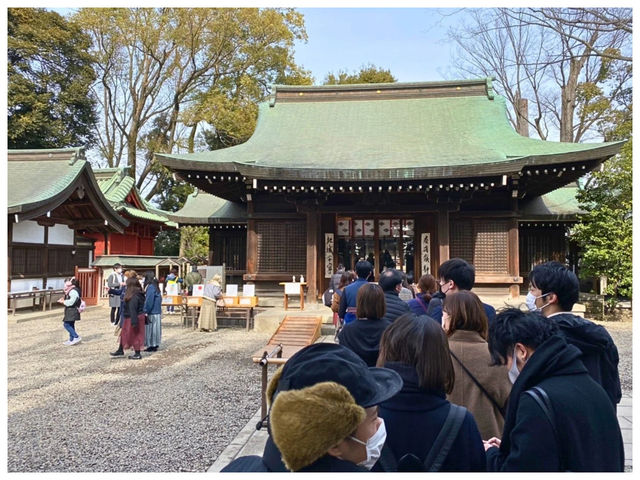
(323, 413)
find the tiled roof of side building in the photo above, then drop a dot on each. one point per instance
(385, 132)
(203, 209)
(559, 204)
(46, 178)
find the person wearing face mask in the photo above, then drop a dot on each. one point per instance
(558, 418)
(455, 275)
(347, 309)
(323, 414)
(553, 292)
(418, 416)
(115, 281)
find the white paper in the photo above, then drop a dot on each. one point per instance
(291, 288)
(248, 290)
(232, 290)
(198, 290)
(172, 289)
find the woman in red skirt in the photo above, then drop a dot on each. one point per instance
(133, 327)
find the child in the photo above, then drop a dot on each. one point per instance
(71, 302)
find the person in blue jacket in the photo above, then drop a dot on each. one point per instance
(417, 349)
(347, 309)
(153, 309)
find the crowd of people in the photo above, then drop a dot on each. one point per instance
(136, 311)
(440, 381)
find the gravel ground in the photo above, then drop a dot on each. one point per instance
(621, 332)
(76, 409)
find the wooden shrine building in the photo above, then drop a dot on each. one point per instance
(53, 200)
(410, 174)
(144, 221)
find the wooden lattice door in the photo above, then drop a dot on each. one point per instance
(88, 279)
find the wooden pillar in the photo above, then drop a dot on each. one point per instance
(443, 235)
(313, 223)
(45, 257)
(211, 246)
(105, 249)
(10, 255)
(252, 243)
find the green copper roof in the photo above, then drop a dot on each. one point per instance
(560, 204)
(203, 209)
(41, 180)
(117, 185)
(133, 261)
(36, 176)
(384, 132)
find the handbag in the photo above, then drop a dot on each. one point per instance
(475, 380)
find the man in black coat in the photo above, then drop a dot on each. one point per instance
(558, 418)
(454, 275)
(554, 290)
(391, 284)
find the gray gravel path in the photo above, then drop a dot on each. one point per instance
(621, 332)
(76, 409)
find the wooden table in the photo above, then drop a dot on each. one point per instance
(45, 296)
(189, 307)
(242, 305)
(286, 293)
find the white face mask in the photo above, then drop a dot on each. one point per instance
(374, 446)
(513, 371)
(531, 301)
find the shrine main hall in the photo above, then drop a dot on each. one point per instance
(404, 174)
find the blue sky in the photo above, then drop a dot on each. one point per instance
(410, 42)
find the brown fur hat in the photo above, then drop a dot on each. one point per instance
(305, 423)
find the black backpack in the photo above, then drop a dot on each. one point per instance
(438, 452)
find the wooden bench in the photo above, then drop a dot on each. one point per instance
(293, 334)
(238, 307)
(43, 297)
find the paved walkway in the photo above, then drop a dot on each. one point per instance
(251, 441)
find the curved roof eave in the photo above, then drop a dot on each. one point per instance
(509, 165)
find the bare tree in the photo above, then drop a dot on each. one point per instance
(562, 60)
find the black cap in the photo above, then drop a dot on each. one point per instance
(330, 362)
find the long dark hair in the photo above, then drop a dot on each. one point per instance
(133, 287)
(150, 278)
(421, 343)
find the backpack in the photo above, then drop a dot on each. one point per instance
(437, 453)
(327, 297)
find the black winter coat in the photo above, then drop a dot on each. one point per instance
(413, 419)
(71, 314)
(589, 438)
(599, 353)
(134, 306)
(395, 306)
(362, 336)
(272, 462)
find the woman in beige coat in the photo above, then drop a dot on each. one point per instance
(212, 293)
(484, 390)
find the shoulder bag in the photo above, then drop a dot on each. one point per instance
(501, 409)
